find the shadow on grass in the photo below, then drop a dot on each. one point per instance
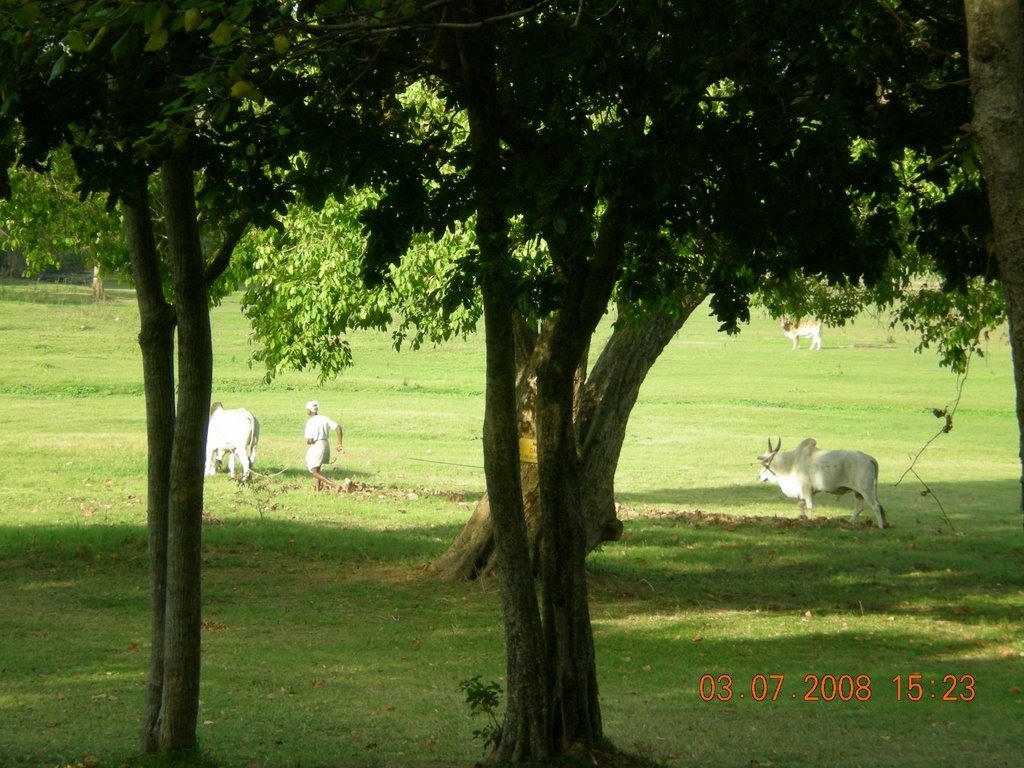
(826, 566)
(692, 559)
(112, 547)
(304, 618)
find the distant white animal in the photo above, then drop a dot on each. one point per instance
(231, 433)
(803, 472)
(803, 329)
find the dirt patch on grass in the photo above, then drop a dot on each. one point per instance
(698, 518)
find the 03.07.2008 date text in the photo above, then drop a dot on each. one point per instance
(910, 687)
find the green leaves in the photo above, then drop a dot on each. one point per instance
(157, 40)
(483, 699)
(222, 34)
(193, 18)
(25, 15)
(155, 15)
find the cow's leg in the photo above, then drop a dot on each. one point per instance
(858, 505)
(879, 512)
(807, 501)
(231, 464)
(244, 460)
(211, 465)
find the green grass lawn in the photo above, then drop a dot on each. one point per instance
(327, 644)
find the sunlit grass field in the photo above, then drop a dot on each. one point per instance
(327, 643)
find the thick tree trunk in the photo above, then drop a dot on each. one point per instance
(995, 34)
(156, 340)
(572, 672)
(602, 416)
(524, 734)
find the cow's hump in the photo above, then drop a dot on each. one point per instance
(807, 445)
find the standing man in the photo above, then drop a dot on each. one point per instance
(318, 434)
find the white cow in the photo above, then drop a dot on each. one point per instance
(806, 329)
(231, 433)
(803, 472)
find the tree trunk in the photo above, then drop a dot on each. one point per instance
(589, 274)
(524, 735)
(180, 706)
(156, 340)
(176, 437)
(607, 400)
(602, 416)
(995, 35)
(472, 554)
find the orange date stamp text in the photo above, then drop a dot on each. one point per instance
(911, 687)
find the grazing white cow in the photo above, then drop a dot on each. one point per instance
(803, 329)
(231, 433)
(803, 472)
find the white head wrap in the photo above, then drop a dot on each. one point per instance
(313, 406)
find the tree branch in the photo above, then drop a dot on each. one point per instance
(364, 23)
(222, 259)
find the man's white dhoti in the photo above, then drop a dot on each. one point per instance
(318, 454)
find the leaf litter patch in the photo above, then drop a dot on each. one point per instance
(698, 518)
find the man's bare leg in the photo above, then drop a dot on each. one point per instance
(322, 481)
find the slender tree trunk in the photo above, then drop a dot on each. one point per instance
(572, 674)
(572, 668)
(524, 735)
(156, 340)
(176, 437)
(995, 35)
(607, 400)
(180, 704)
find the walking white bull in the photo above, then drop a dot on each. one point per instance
(803, 472)
(231, 433)
(810, 329)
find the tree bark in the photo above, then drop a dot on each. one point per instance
(176, 434)
(995, 35)
(180, 706)
(524, 735)
(156, 340)
(589, 276)
(607, 400)
(601, 420)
